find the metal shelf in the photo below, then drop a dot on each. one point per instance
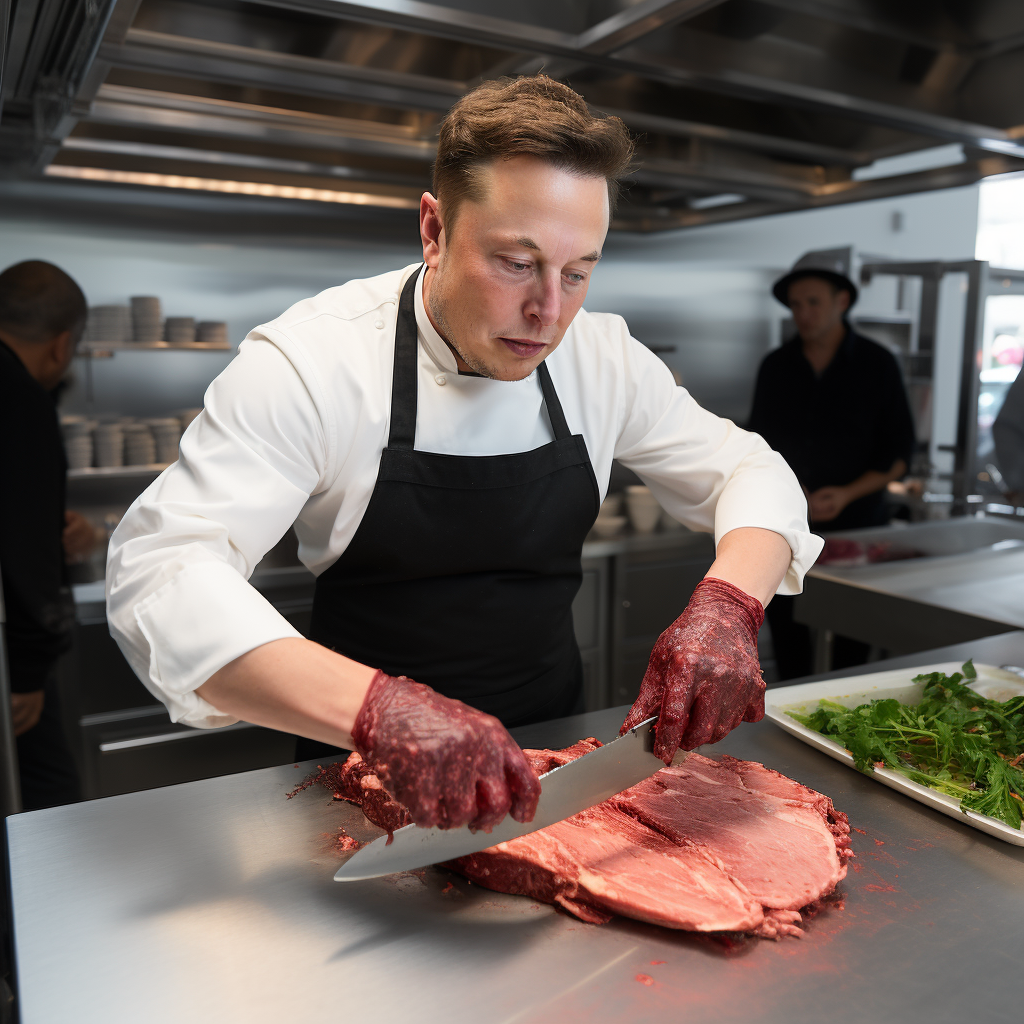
(117, 472)
(105, 350)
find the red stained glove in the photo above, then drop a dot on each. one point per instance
(448, 763)
(703, 677)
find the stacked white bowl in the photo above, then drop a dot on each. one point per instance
(139, 446)
(180, 330)
(644, 510)
(147, 319)
(212, 332)
(166, 432)
(108, 442)
(77, 431)
(109, 325)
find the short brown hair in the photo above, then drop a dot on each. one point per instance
(527, 116)
(39, 301)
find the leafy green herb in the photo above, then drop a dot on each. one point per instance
(955, 741)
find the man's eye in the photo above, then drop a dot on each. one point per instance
(576, 278)
(513, 265)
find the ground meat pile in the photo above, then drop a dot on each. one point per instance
(710, 846)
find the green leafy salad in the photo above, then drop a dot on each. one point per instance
(955, 741)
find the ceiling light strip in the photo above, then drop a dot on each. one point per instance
(244, 188)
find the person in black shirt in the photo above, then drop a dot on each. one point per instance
(833, 404)
(42, 315)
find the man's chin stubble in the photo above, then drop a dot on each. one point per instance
(474, 363)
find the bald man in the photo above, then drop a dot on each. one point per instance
(42, 316)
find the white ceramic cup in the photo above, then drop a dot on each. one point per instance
(644, 510)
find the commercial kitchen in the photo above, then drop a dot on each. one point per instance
(188, 170)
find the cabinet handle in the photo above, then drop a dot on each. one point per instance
(625, 604)
(165, 737)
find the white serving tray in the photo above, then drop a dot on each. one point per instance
(992, 682)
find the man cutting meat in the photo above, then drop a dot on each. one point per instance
(441, 437)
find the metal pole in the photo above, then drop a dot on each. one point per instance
(10, 788)
(10, 803)
(965, 468)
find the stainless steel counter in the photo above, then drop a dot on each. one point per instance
(970, 585)
(213, 902)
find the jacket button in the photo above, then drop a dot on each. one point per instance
(441, 379)
(379, 325)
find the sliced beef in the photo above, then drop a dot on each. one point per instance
(771, 834)
(602, 862)
(704, 845)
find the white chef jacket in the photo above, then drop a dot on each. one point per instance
(292, 433)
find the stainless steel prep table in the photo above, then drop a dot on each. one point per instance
(213, 902)
(955, 595)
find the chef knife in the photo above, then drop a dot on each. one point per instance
(565, 791)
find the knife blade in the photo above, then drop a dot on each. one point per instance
(565, 791)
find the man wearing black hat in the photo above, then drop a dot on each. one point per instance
(833, 404)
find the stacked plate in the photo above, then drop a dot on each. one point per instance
(147, 319)
(139, 446)
(166, 433)
(77, 432)
(180, 330)
(110, 325)
(108, 442)
(212, 332)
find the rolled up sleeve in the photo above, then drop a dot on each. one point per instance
(705, 471)
(179, 603)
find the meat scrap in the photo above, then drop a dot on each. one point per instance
(703, 845)
(355, 781)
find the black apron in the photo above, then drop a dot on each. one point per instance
(463, 570)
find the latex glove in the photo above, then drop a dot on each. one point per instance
(26, 710)
(703, 677)
(448, 763)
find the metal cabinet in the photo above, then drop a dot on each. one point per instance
(590, 618)
(649, 590)
(124, 738)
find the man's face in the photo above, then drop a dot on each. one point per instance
(504, 286)
(817, 307)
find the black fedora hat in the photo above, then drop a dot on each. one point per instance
(831, 265)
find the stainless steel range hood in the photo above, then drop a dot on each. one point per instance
(741, 107)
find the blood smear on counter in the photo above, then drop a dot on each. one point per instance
(645, 979)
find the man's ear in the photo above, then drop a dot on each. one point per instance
(431, 230)
(843, 298)
(60, 351)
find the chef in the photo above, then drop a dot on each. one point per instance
(833, 403)
(441, 437)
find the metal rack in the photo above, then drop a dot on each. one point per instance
(982, 281)
(106, 350)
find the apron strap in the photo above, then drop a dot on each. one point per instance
(403, 384)
(555, 414)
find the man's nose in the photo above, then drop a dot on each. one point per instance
(545, 301)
